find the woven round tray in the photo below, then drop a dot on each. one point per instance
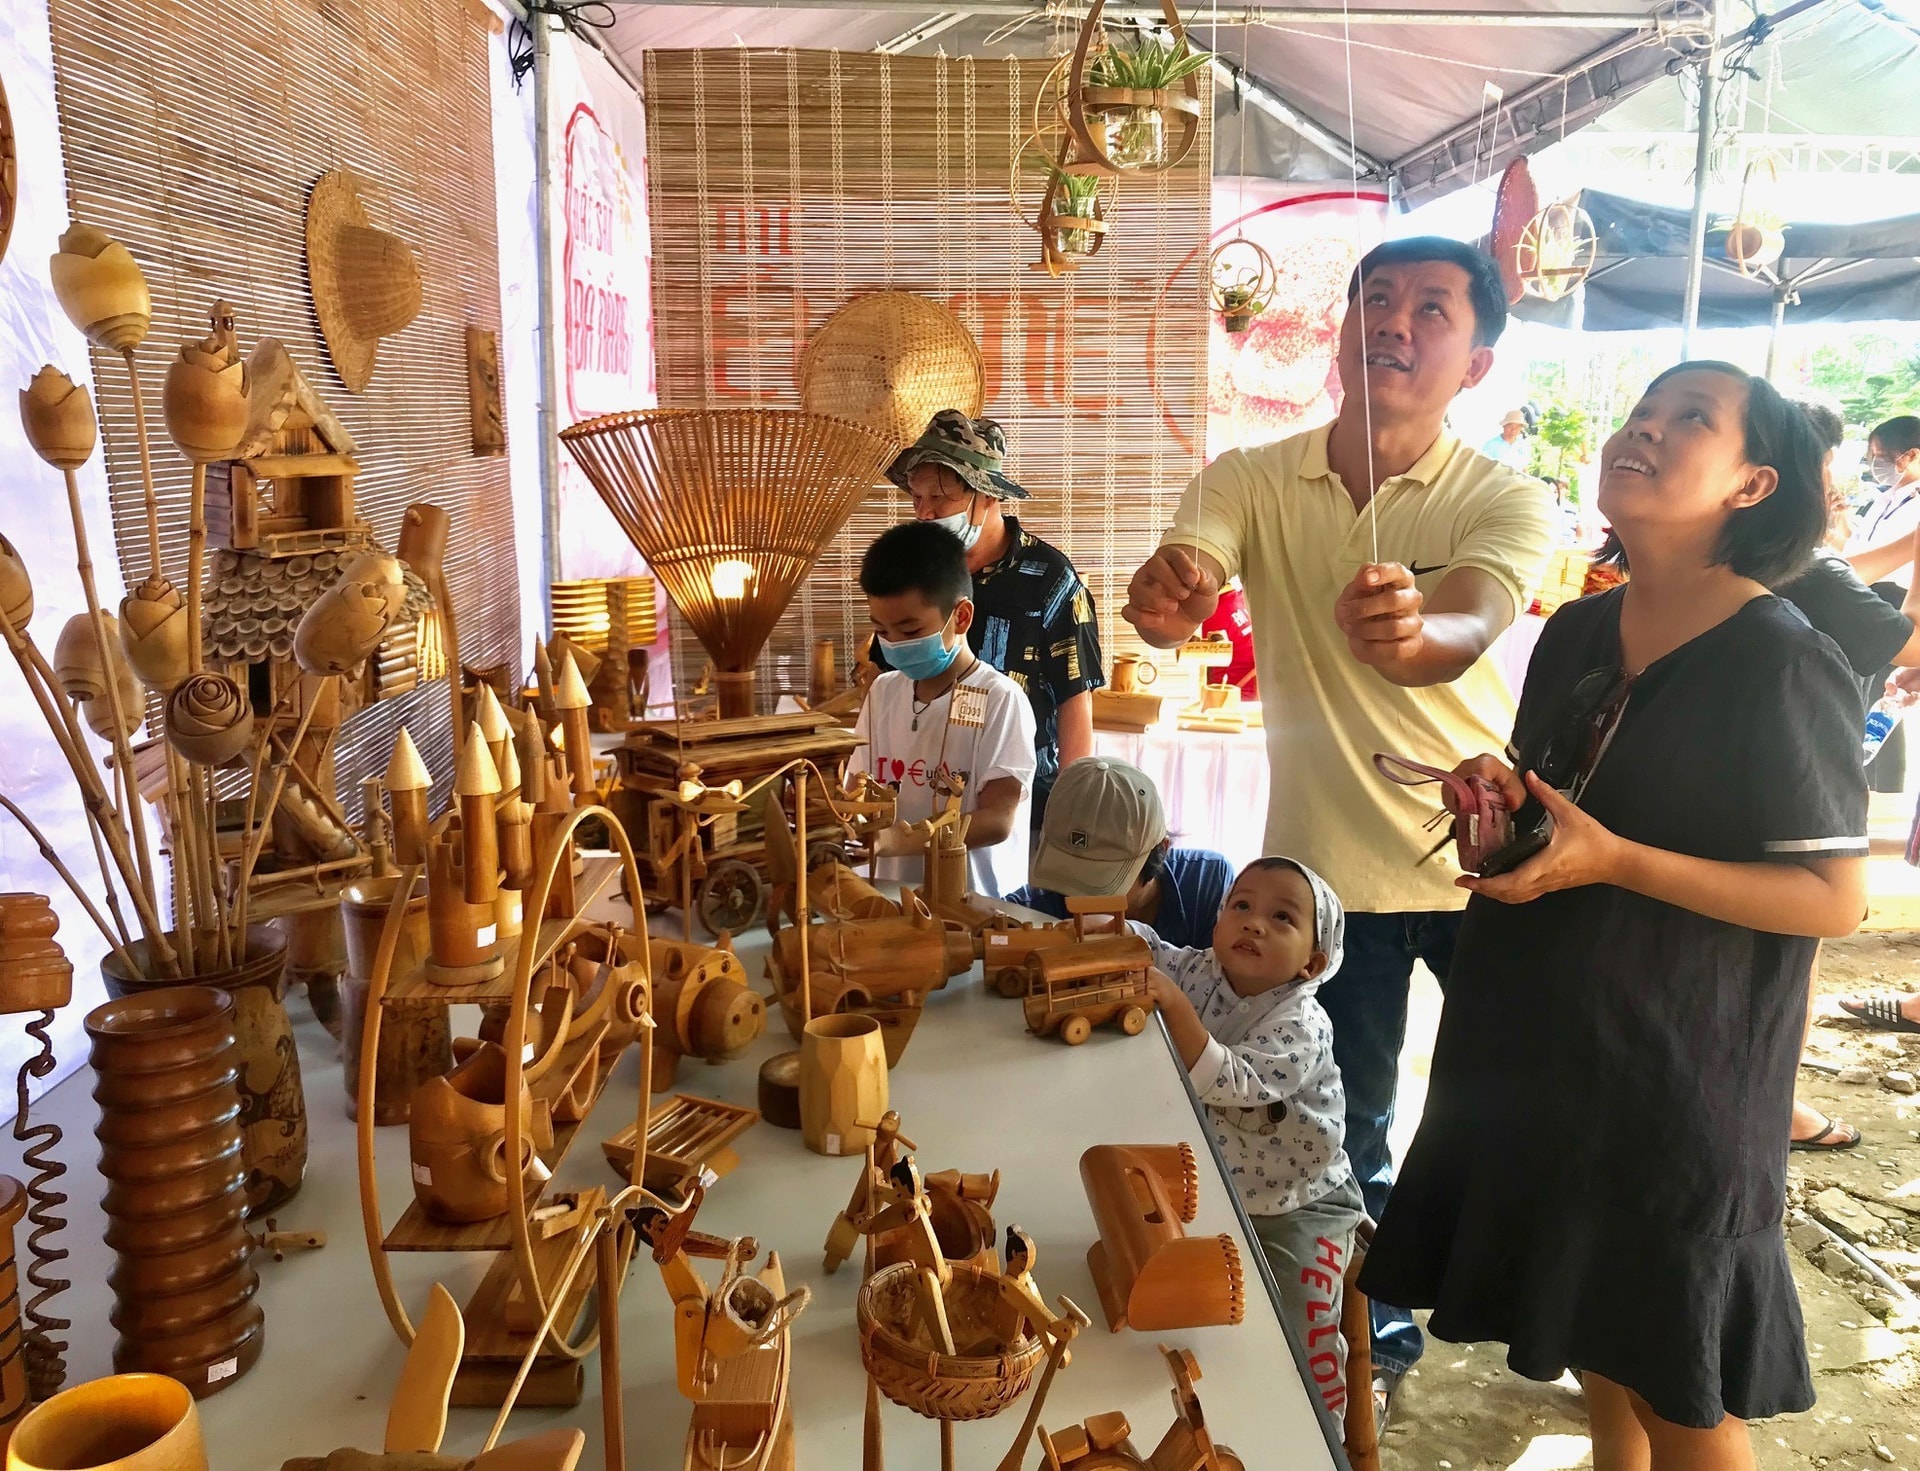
(977, 1383)
(891, 361)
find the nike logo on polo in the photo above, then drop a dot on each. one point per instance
(1418, 571)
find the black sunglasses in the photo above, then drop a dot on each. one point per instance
(1592, 708)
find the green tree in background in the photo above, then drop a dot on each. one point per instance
(1872, 376)
(1562, 434)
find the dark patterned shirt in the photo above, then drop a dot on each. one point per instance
(1033, 621)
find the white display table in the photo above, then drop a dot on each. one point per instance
(975, 1092)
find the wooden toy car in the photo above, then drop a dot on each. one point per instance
(1072, 989)
(1005, 944)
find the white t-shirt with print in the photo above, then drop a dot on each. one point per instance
(988, 734)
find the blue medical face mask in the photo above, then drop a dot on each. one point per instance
(960, 523)
(922, 658)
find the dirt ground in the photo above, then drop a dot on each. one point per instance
(1461, 1410)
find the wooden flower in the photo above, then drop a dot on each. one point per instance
(205, 399)
(209, 719)
(57, 414)
(16, 588)
(153, 632)
(101, 289)
(350, 619)
(76, 660)
(133, 702)
(77, 665)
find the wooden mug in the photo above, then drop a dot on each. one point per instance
(1132, 673)
(843, 1080)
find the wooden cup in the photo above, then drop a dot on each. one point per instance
(843, 1080)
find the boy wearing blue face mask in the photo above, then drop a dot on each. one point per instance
(940, 713)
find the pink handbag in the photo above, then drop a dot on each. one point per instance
(1482, 826)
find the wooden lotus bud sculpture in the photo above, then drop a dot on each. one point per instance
(205, 399)
(101, 289)
(153, 633)
(76, 660)
(16, 587)
(350, 619)
(209, 719)
(132, 704)
(57, 414)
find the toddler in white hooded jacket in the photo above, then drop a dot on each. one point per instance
(1258, 1047)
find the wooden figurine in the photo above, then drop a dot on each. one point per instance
(953, 1341)
(1101, 1443)
(1099, 978)
(408, 788)
(572, 702)
(703, 1007)
(416, 1042)
(960, 1208)
(732, 1343)
(417, 1414)
(457, 1138)
(1152, 1276)
(689, 1142)
(489, 425)
(843, 1081)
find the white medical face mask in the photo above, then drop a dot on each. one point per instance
(960, 523)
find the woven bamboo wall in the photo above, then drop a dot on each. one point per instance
(194, 131)
(784, 183)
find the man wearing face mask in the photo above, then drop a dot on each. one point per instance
(1033, 616)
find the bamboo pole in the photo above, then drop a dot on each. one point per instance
(122, 751)
(258, 839)
(196, 559)
(146, 469)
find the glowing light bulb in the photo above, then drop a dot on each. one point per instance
(730, 579)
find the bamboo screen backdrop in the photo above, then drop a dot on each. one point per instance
(194, 131)
(782, 184)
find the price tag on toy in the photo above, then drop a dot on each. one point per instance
(969, 706)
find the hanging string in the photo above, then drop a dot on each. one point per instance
(578, 16)
(1359, 300)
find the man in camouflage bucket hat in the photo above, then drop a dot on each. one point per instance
(1033, 616)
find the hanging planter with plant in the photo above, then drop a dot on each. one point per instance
(1757, 235)
(1241, 281)
(1075, 207)
(1556, 250)
(1134, 106)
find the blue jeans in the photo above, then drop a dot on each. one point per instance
(1367, 1001)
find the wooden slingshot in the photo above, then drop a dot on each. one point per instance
(732, 1343)
(953, 1341)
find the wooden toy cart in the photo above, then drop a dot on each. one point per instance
(723, 843)
(1072, 988)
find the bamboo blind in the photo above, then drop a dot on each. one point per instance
(782, 184)
(194, 131)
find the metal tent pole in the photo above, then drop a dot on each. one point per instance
(1780, 295)
(1702, 165)
(549, 345)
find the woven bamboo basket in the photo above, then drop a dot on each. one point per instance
(891, 361)
(987, 1374)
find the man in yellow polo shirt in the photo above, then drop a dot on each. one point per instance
(1381, 557)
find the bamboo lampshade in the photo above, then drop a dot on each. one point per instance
(603, 613)
(730, 507)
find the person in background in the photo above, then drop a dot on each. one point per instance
(1106, 834)
(1233, 619)
(1362, 656)
(1242, 1012)
(1880, 551)
(1033, 616)
(1509, 447)
(940, 713)
(1874, 638)
(1598, 1180)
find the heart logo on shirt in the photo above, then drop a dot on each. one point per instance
(899, 769)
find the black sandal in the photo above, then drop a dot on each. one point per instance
(1881, 1013)
(1837, 1134)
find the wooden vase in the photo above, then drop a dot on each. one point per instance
(843, 1083)
(127, 1422)
(35, 974)
(416, 1043)
(457, 1138)
(273, 1105)
(13, 1359)
(173, 1155)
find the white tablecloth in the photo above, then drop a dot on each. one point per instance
(1212, 785)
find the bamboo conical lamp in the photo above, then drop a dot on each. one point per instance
(730, 507)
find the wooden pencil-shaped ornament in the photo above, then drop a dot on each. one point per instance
(513, 826)
(475, 785)
(408, 784)
(492, 722)
(571, 700)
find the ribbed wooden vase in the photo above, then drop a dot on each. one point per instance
(13, 1362)
(273, 1113)
(173, 1154)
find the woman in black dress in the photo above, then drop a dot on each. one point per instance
(1600, 1174)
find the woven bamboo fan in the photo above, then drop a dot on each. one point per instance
(891, 361)
(730, 507)
(366, 282)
